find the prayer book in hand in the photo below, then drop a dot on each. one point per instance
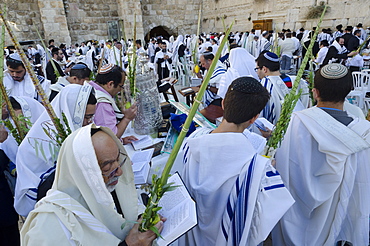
(179, 209)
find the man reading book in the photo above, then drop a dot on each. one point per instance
(227, 187)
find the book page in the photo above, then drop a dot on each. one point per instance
(179, 209)
(143, 142)
(142, 156)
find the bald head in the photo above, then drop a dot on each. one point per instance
(105, 147)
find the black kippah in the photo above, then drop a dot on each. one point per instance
(248, 85)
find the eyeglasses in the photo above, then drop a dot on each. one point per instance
(122, 86)
(121, 159)
(256, 68)
(89, 118)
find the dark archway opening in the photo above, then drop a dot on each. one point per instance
(158, 31)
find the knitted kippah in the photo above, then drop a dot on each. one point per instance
(271, 57)
(247, 85)
(333, 71)
(106, 69)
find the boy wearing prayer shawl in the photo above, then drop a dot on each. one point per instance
(79, 209)
(324, 162)
(230, 189)
(268, 70)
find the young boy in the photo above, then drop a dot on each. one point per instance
(223, 173)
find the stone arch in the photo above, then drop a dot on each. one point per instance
(158, 30)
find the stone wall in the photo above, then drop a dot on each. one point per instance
(285, 13)
(53, 19)
(87, 19)
(177, 16)
(22, 14)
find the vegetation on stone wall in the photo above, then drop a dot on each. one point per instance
(314, 12)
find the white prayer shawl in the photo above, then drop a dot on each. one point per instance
(61, 83)
(160, 55)
(249, 47)
(244, 40)
(252, 210)
(340, 49)
(37, 153)
(32, 110)
(356, 61)
(79, 210)
(214, 81)
(277, 89)
(25, 87)
(353, 110)
(103, 97)
(225, 49)
(262, 44)
(305, 96)
(89, 59)
(241, 64)
(324, 164)
(116, 57)
(211, 187)
(321, 55)
(175, 48)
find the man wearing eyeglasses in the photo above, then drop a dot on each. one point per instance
(108, 83)
(80, 209)
(57, 55)
(78, 74)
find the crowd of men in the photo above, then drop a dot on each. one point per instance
(314, 192)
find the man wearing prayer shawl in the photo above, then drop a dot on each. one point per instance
(239, 195)
(211, 101)
(268, 70)
(241, 64)
(108, 83)
(18, 82)
(324, 162)
(37, 154)
(79, 209)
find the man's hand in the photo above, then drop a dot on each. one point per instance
(3, 134)
(131, 112)
(353, 53)
(137, 238)
(129, 139)
(266, 134)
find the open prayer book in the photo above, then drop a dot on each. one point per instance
(140, 165)
(179, 209)
(142, 142)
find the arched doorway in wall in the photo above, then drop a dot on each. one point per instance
(158, 31)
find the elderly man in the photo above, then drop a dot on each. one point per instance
(324, 162)
(79, 209)
(18, 82)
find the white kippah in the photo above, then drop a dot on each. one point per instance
(334, 71)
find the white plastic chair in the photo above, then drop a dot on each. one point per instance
(357, 95)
